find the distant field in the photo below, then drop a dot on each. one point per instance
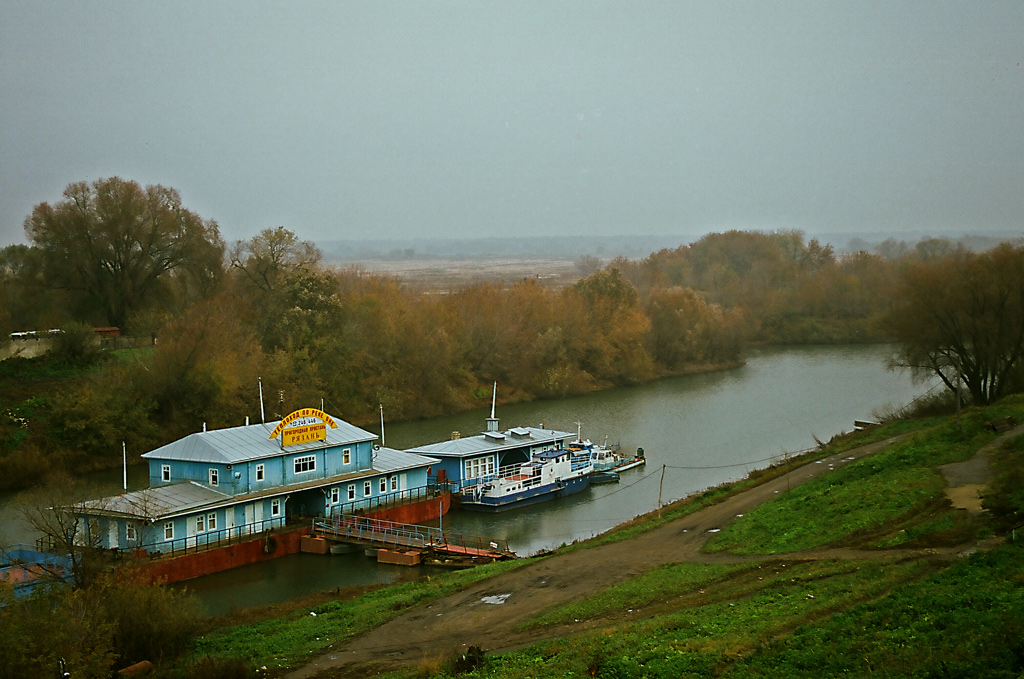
(453, 274)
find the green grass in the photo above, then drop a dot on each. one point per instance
(894, 497)
(286, 642)
(964, 621)
(655, 586)
(728, 616)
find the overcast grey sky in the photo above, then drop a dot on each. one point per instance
(470, 119)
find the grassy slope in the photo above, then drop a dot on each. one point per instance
(916, 616)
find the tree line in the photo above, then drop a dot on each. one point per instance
(223, 317)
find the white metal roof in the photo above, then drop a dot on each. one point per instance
(159, 502)
(519, 437)
(252, 442)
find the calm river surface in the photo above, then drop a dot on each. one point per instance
(703, 429)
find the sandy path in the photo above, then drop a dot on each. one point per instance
(467, 618)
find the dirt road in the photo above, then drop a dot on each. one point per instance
(486, 614)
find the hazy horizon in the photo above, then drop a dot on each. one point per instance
(350, 121)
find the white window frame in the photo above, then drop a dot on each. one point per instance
(275, 507)
(346, 456)
(200, 524)
(259, 472)
(211, 521)
(214, 476)
(129, 532)
(306, 462)
(168, 530)
(165, 472)
(367, 488)
(335, 495)
(351, 491)
(478, 467)
(383, 485)
(394, 483)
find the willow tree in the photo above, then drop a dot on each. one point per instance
(121, 246)
(961, 317)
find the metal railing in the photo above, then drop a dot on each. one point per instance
(387, 500)
(392, 533)
(212, 538)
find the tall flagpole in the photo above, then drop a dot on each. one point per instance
(263, 416)
(381, 425)
(124, 460)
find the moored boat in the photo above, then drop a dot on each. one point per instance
(626, 463)
(548, 474)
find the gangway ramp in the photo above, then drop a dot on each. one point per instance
(383, 534)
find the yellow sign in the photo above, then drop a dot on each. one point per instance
(302, 414)
(304, 434)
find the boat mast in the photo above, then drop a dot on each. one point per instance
(492, 421)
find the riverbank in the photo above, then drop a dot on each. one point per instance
(664, 584)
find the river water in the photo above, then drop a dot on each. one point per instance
(697, 431)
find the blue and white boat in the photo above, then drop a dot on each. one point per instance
(548, 474)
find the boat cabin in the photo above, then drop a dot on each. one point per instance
(470, 460)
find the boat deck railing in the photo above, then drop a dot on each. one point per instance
(476, 485)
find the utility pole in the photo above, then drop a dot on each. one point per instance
(661, 484)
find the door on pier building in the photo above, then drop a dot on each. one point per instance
(258, 514)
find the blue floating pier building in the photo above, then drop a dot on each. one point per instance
(217, 485)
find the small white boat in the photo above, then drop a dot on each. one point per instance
(632, 462)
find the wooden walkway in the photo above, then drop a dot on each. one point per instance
(369, 532)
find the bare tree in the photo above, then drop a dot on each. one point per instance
(57, 511)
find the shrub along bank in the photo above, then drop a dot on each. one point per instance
(885, 614)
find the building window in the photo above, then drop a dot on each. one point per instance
(478, 467)
(351, 491)
(213, 477)
(335, 495)
(307, 463)
(366, 488)
(346, 456)
(129, 532)
(165, 472)
(259, 472)
(275, 507)
(169, 530)
(383, 485)
(211, 521)
(200, 523)
(394, 483)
